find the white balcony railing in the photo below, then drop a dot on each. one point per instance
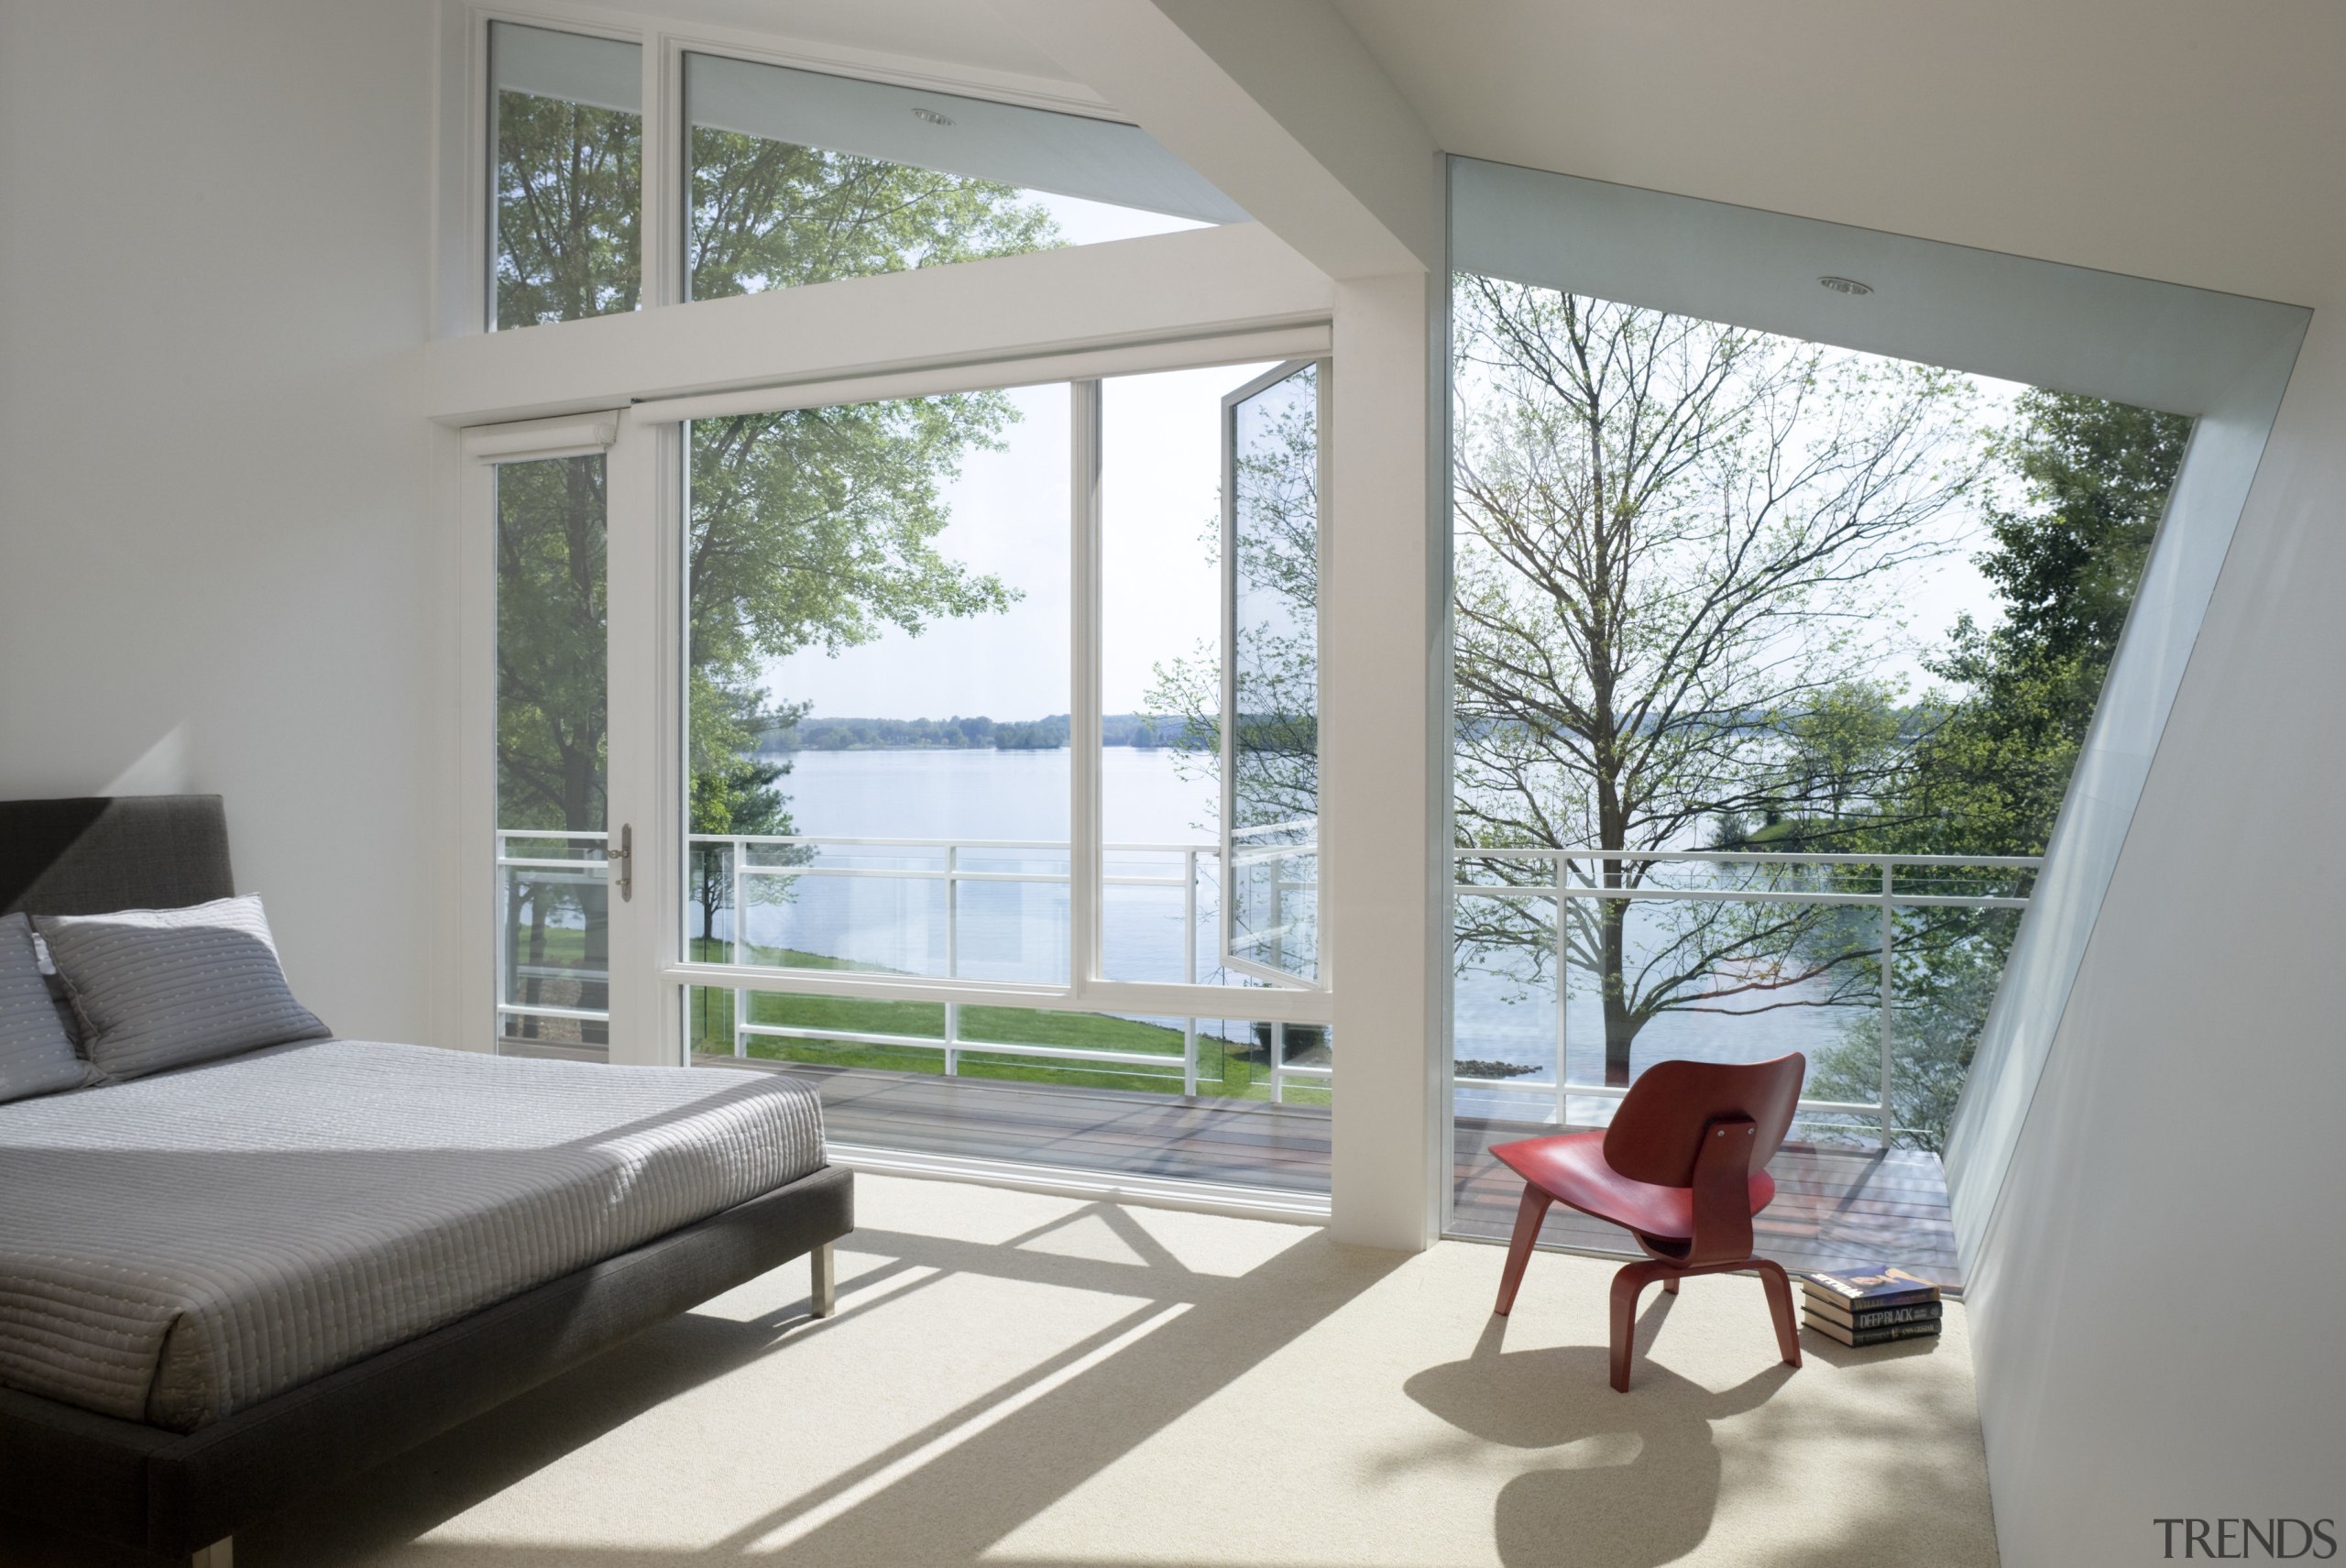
(950, 864)
(1562, 875)
(568, 866)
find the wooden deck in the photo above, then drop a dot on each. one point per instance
(1835, 1207)
(1238, 1143)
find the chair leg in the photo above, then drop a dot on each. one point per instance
(1627, 1285)
(1669, 1283)
(1527, 1216)
(1780, 1306)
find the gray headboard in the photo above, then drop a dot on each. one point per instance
(91, 855)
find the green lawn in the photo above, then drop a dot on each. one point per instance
(1226, 1069)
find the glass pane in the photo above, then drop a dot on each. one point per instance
(1161, 674)
(800, 178)
(879, 705)
(1273, 793)
(567, 132)
(1805, 642)
(554, 938)
(1662, 979)
(1945, 966)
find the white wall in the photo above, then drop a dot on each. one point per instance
(2154, 1301)
(215, 561)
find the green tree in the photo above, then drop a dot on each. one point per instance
(2065, 565)
(1987, 775)
(550, 616)
(816, 529)
(569, 198)
(771, 215)
(806, 529)
(550, 732)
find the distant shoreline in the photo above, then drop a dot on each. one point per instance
(1049, 733)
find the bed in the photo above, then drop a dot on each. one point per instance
(225, 1285)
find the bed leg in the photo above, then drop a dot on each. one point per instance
(219, 1554)
(826, 1298)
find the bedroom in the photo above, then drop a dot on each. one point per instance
(245, 522)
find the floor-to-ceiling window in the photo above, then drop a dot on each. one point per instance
(994, 736)
(1772, 662)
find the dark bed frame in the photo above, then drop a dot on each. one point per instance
(183, 1495)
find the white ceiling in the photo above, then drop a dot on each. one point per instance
(2202, 141)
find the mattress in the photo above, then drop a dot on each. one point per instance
(179, 1248)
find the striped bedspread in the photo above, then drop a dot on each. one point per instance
(179, 1248)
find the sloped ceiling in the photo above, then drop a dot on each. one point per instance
(2200, 143)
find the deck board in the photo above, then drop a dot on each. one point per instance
(1835, 1207)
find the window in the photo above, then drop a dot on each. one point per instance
(779, 178)
(1208, 558)
(915, 713)
(567, 165)
(879, 687)
(886, 692)
(552, 765)
(1771, 661)
(800, 178)
(1270, 797)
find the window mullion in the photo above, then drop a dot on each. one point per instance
(1085, 865)
(660, 230)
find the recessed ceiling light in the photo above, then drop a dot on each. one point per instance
(931, 116)
(1847, 285)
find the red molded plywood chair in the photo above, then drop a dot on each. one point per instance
(1682, 1167)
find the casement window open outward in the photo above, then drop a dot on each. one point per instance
(1272, 481)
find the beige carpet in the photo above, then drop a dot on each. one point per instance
(1014, 1379)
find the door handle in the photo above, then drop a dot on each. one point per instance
(621, 861)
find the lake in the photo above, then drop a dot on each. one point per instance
(1008, 929)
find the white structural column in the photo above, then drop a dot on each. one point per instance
(1382, 768)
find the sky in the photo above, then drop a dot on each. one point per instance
(1160, 455)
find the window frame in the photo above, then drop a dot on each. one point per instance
(466, 263)
(662, 874)
(1323, 481)
(482, 451)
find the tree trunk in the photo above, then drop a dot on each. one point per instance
(1621, 1024)
(533, 986)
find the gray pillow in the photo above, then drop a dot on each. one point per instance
(163, 988)
(35, 1054)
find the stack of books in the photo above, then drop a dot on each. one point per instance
(1870, 1309)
